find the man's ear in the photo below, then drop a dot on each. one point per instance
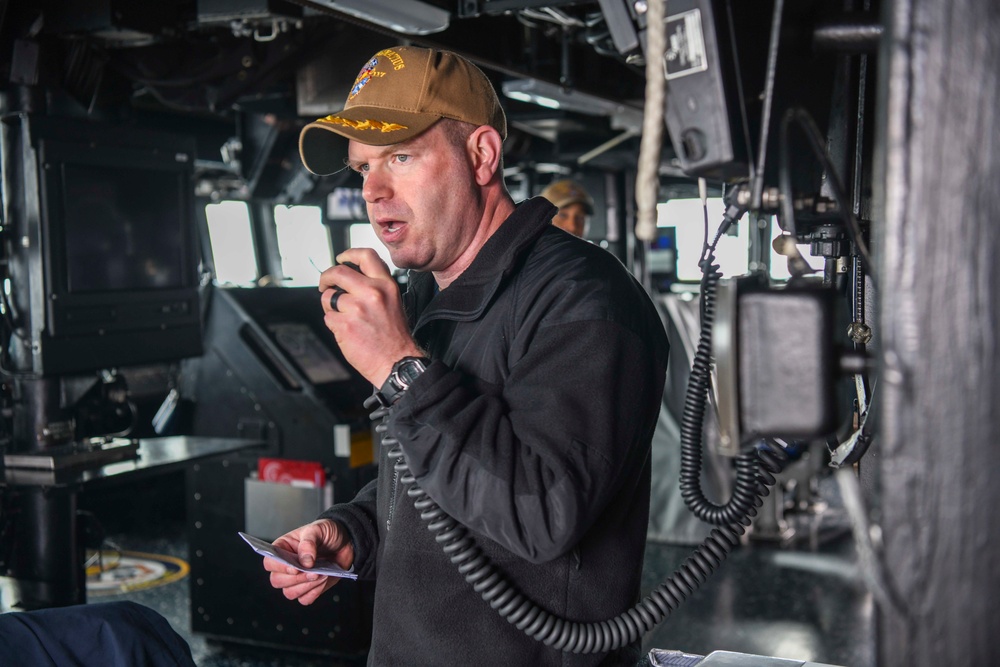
(485, 152)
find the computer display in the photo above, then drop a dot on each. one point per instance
(116, 258)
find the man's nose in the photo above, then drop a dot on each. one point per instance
(376, 185)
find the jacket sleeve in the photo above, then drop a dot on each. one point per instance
(358, 518)
(532, 461)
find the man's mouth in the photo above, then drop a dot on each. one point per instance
(391, 229)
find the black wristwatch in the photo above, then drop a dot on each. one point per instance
(404, 372)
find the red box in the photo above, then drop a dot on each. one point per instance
(288, 471)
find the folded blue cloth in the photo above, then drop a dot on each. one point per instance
(107, 634)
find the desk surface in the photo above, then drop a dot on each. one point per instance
(155, 456)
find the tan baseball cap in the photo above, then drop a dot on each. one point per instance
(399, 93)
(565, 192)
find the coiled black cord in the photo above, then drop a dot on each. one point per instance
(754, 470)
(558, 633)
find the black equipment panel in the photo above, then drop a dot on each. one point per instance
(231, 598)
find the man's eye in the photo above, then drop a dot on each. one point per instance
(402, 158)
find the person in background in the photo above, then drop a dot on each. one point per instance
(574, 204)
(520, 377)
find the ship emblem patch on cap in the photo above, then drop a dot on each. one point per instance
(364, 76)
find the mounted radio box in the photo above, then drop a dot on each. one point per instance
(705, 110)
(777, 360)
(721, 86)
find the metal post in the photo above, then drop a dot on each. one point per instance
(46, 563)
(937, 455)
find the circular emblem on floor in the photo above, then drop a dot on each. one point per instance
(113, 572)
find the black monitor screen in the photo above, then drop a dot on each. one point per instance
(123, 228)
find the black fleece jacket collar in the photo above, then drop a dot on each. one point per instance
(466, 298)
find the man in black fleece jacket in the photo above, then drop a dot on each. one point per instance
(521, 375)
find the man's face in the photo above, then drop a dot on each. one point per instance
(572, 218)
(422, 198)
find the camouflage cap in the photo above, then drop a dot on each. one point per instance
(566, 192)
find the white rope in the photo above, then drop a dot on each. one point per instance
(647, 187)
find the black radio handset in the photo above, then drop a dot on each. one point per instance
(338, 290)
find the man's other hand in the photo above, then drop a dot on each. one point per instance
(322, 538)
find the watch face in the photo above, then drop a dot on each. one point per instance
(409, 370)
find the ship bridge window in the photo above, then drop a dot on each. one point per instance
(231, 237)
(303, 243)
(688, 218)
(734, 249)
(362, 235)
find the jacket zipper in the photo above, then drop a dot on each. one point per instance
(392, 500)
